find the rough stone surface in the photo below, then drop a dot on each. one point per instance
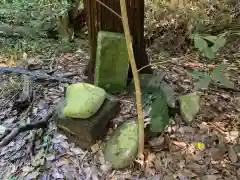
(83, 100)
(189, 106)
(112, 62)
(85, 132)
(122, 147)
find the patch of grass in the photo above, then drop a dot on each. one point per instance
(14, 48)
(174, 21)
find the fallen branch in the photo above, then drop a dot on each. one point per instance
(8, 136)
(37, 75)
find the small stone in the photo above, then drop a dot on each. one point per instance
(112, 62)
(189, 106)
(2, 129)
(218, 153)
(238, 173)
(106, 167)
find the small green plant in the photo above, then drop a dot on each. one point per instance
(209, 45)
(217, 76)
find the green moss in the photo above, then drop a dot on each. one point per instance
(112, 62)
(83, 100)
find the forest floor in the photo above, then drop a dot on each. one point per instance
(174, 155)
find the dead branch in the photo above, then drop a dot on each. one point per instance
(9, 134)
(38, 75)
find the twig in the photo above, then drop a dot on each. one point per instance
(7, 137)
(114, 12)
(136, 79)
(153, 64)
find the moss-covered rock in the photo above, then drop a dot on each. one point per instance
(121, 149)
(83, 100)
(112, 62)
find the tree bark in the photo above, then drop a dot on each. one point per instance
(99, 18)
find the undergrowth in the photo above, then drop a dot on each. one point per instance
(169, 24)
(38, 16)
(47, 47)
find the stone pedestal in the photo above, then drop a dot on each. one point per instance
(85, 132)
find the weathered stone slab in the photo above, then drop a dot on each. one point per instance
(85, 132)
(112, 62)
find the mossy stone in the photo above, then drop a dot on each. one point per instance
(83, 100)
(121, 149)
(112, 62)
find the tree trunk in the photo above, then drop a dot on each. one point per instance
(99, 18)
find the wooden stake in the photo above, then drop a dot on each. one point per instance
(135, 77)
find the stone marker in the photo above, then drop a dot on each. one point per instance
(85, 132)
(112, 62)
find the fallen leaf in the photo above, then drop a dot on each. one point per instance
(27, 169)
(238, 173)
(95, 148)
(180, 144)
(106, 168)
(168, 177)
(170, 94)
(203, 83)
(149, 160)
(232, 135)
(57, 175)
(63, 161)
(3, 65)
(94, 173)
(197, 168)
(217, 153)
(159, 113)
(77, 151)
(199, 146)
(211, 177)
(32, 175)
(232, 154)
(50, 157)
(159, 142)
(2, 129)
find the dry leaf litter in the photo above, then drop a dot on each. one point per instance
(209, 148)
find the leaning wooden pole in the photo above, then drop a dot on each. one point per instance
(99, 17)
(135, 77)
